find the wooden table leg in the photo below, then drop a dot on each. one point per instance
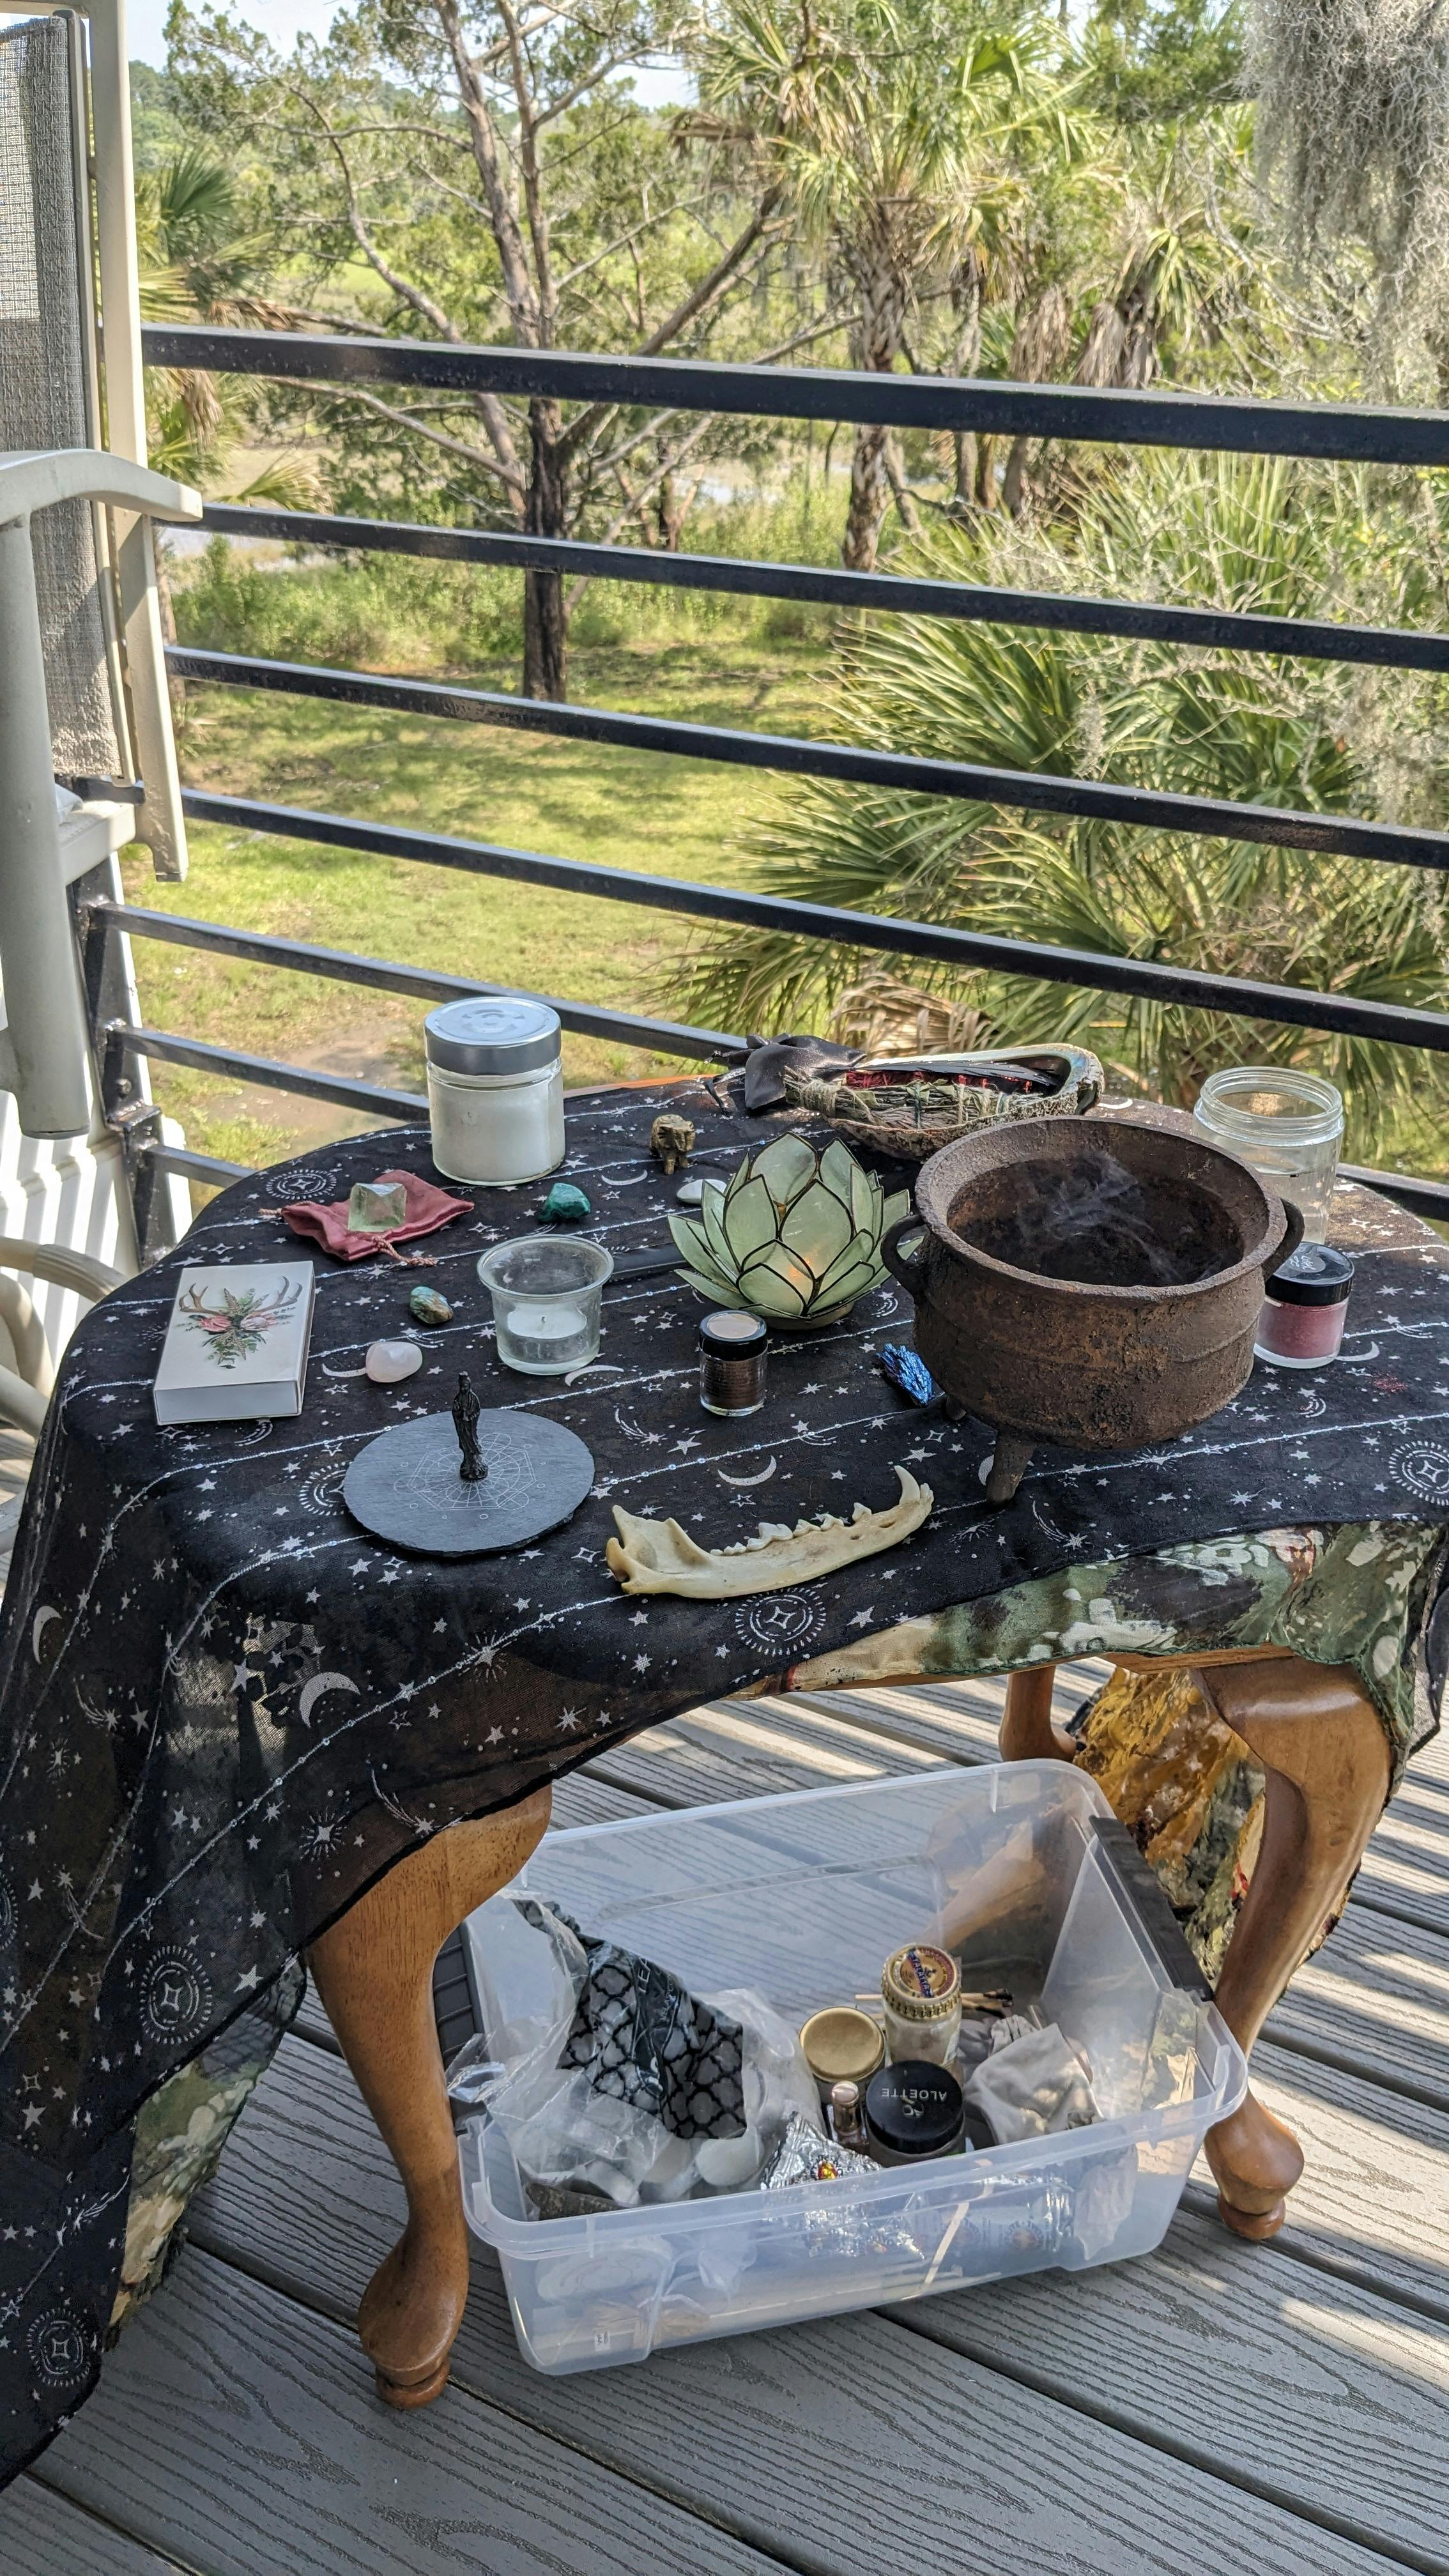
(1027, 1733)
(1325, 1756)
(374, 1974)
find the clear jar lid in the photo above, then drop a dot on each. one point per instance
(1257, 1104)
(492, 1033)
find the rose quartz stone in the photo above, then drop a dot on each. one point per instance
(386, 1362)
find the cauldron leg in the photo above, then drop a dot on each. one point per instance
(1008, 1466)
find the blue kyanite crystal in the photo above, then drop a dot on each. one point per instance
(907, 1371)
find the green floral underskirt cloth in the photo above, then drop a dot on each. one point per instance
(1359, 1594)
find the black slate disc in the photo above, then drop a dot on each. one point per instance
(405, 1487)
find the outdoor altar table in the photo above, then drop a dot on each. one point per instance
(233, 1728)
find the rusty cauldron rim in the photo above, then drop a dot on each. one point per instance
(996, 1146)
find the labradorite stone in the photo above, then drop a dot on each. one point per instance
(428, 1307)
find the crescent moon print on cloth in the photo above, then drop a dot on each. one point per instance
(761, 1477)
(312, 1691)
(226, 1708)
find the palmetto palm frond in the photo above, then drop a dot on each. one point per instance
(1253, 729)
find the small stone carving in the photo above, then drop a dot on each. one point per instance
(670, 1141)
(427, 1307)
(659, 1556)
(466, 1411)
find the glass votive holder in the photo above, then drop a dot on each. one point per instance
(1286, 1126)
(547, 1292)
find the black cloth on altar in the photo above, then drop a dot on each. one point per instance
(224, 1711)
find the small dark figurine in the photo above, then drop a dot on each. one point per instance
(466, 1410)
(670, 1140)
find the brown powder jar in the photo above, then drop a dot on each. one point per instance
(732, 1364)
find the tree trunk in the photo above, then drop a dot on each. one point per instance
(875, 345)
(869, 486)
(545, 615)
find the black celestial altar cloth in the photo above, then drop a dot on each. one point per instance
(224, 1711)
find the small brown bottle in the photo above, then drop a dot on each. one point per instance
(846, 2118)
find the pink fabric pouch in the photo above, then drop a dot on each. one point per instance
(427, 1208)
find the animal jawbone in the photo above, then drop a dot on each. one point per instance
(659, 1556)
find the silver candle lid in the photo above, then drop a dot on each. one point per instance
(494, 1033)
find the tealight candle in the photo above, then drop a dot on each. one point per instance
(547, 1291)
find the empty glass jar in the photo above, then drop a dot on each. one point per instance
(1287, 1126)
(547, 1293)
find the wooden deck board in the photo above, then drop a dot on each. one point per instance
(238, 2428)
(43, 2534)
(803, 2441)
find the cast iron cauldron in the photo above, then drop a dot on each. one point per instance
(1094, 1282)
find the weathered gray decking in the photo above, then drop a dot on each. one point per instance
(1216, 2407)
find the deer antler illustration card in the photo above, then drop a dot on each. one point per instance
(236, 1345)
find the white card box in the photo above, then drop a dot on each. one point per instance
(236, 1345)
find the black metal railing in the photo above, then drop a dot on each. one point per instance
(1329, 432)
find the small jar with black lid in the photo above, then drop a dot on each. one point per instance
(732, 1364)
(1305, 1306)
(913, 2109)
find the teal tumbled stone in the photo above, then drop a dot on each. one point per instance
(428, 1307)
(565, 1205)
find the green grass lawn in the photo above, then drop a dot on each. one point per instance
(665, 816)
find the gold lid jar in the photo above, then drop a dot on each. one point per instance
(842, 2046)
(921, 1990)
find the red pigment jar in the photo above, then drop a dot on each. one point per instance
(1301, 1325)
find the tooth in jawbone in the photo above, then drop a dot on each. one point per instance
(659, 1556)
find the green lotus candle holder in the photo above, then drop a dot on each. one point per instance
(794, 1236)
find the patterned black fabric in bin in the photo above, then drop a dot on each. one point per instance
(645, 2041)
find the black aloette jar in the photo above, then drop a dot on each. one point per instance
(912, 2109)
(732, 1363)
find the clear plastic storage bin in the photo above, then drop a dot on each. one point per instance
(1021, 1867)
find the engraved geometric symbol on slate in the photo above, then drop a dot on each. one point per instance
(1424, 1469)
(175, 1994)
(61, 2345)
(434, 1479)
(778, 1620)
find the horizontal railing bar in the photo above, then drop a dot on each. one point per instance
(1425, 1198)
(1118, 417)
(423, 983)
(1207, 629)
(1236, 996)
(1030, 791)
(338, 1088)
(192, 1166)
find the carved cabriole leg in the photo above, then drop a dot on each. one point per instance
(374, 1974)
(1027, 1733)
(1326, 1758)
(1322, 1744)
